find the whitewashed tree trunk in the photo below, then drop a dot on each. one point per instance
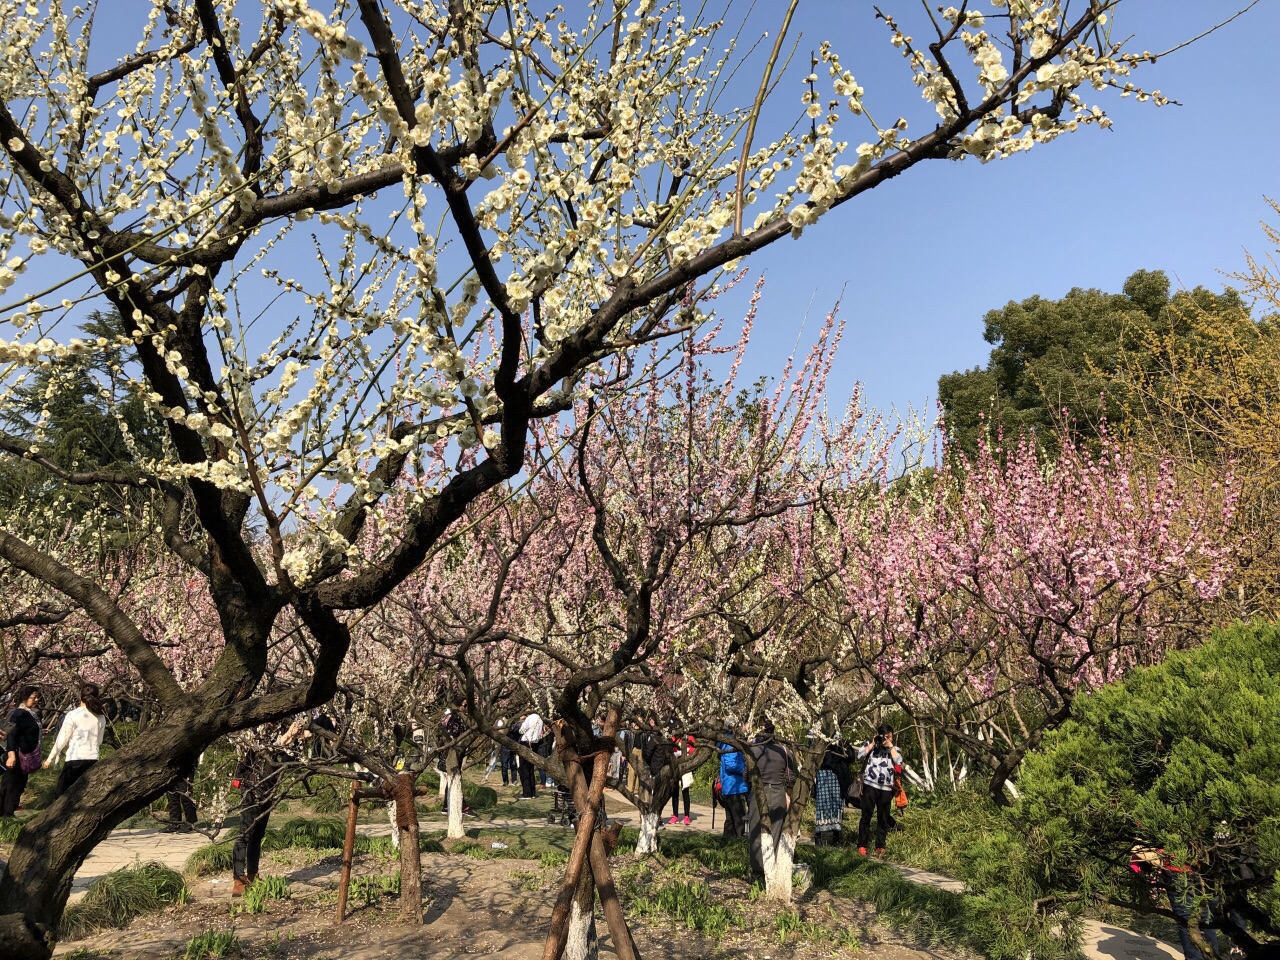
(583, 944)
(454, 781)
(648, 842)
(779, 862)
(395, 827)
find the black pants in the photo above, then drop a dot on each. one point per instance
(735, 815)
(72, 771)
(879, 801)
(15, 781)
(526, 779)
(182, 809)
(507, 760)
(675, 801)
(255, 811)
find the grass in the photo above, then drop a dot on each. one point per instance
(314, 833)
(210, 943)
(997, 923)
(262, 890)
(9, 828)
(689, 902)
(122, 895)
(372, 888)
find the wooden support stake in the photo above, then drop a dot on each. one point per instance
(348, 852)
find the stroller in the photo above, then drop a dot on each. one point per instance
(563, 811)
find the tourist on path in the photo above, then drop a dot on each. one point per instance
(733, 788)
(681, 746)
(21, 749)
(532, 730)
(80, 737)
(883, 760)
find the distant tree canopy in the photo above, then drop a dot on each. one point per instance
(76, 418)
(1058, 364)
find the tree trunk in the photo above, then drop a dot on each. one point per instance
(52, 846)
(453, 780)
(410, 854)
(648, 841)
(779, 864)
(582, 942)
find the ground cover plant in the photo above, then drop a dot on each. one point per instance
(119, 897)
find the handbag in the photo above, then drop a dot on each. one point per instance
(900, 799)
(686, 781)
(854, 794)
(29, 762)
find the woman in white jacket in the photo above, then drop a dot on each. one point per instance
(80, 736)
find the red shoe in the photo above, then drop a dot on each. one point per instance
(880, 852)
(687, 821)
(673, 821)
(862, 851)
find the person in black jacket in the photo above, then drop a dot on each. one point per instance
(776, 772)
(23, 737)
(655, 752)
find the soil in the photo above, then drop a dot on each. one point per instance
(477, 907)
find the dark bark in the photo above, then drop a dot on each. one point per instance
(403, 793)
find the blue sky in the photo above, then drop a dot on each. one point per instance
(922, 258)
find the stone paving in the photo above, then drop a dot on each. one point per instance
(126, 848)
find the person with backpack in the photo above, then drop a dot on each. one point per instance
(79, 737)
(733, 788)
(21, 749)
(883, 762)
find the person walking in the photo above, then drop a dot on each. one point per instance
(733, 788)
(21, 749)
(681, 746)
(79, 737)
(883, 760)
(776, 772)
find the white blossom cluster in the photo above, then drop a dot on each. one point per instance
(316, 242)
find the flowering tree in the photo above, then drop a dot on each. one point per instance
(422, 151)
(986, 597)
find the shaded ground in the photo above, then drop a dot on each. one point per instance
(477, 907)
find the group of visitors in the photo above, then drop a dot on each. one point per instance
(872, 789)
(77, 744)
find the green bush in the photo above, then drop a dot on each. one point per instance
(122, 895)
(478, 796)
(1184, 757)
(310, 834)
(211, 858)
